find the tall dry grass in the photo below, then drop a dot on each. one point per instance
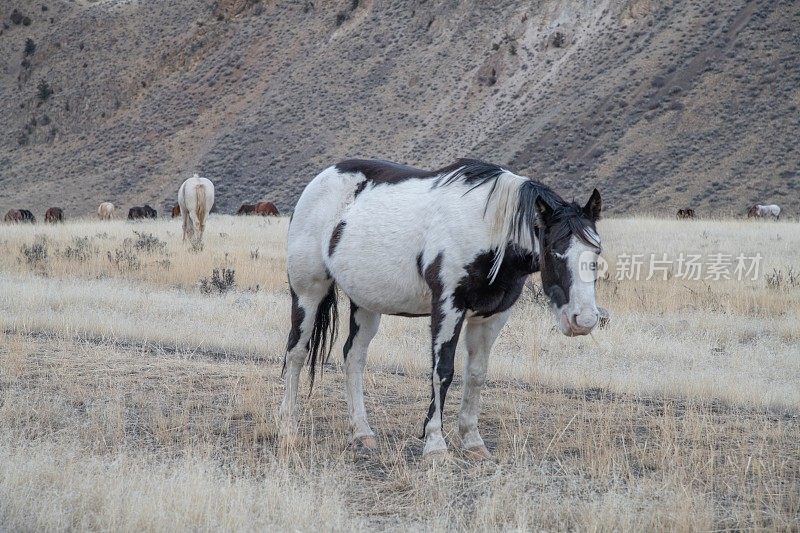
(91, 249)
(131, 400)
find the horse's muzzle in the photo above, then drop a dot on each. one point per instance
(578, 324)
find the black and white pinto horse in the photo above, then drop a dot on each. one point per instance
(456, 244)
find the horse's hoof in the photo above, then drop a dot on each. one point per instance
(287, 444)
(433, 445)
(436, 457)
(478, 453)
(365, 445)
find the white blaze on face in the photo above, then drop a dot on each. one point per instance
(579, 315)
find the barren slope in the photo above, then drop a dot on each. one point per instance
(659, 104)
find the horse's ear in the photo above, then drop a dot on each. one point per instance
(593, 206)
(543, 210)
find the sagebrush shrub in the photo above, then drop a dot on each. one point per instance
(222, 280)
(36, 255)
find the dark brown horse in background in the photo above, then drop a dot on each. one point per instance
(263, 209)
(686, 213)
(53, 215)
(19, 215)
(266, 209)
(246, 209)
(142, 212)
(176, 211)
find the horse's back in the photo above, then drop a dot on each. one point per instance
(382, 171)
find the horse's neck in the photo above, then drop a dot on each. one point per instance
(508, 223)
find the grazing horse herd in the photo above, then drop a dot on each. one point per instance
(107, 210)
(756, 211)
(455, 244)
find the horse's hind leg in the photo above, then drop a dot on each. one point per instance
(363, 327)
(187, 225)
(305, 303)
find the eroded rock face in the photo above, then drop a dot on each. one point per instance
(262, 95)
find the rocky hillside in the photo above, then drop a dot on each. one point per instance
(659, 104)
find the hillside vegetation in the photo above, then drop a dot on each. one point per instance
(659, 104)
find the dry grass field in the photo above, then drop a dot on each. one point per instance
(139, 392)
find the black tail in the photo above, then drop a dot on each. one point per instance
(323, 334)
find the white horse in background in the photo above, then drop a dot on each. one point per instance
(195, 198)
(105, 211)
(764, 211)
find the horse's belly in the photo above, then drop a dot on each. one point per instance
(379, 276)
(402, 303)
(386, 291)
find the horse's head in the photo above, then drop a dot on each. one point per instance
(569, 248)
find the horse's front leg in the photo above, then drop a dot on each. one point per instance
(446, 322)
(479, 337)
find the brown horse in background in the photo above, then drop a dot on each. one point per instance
(246, 209)
(686, 213)
(176, 211)
(266, 209)
(53, 215)
(13, 215)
